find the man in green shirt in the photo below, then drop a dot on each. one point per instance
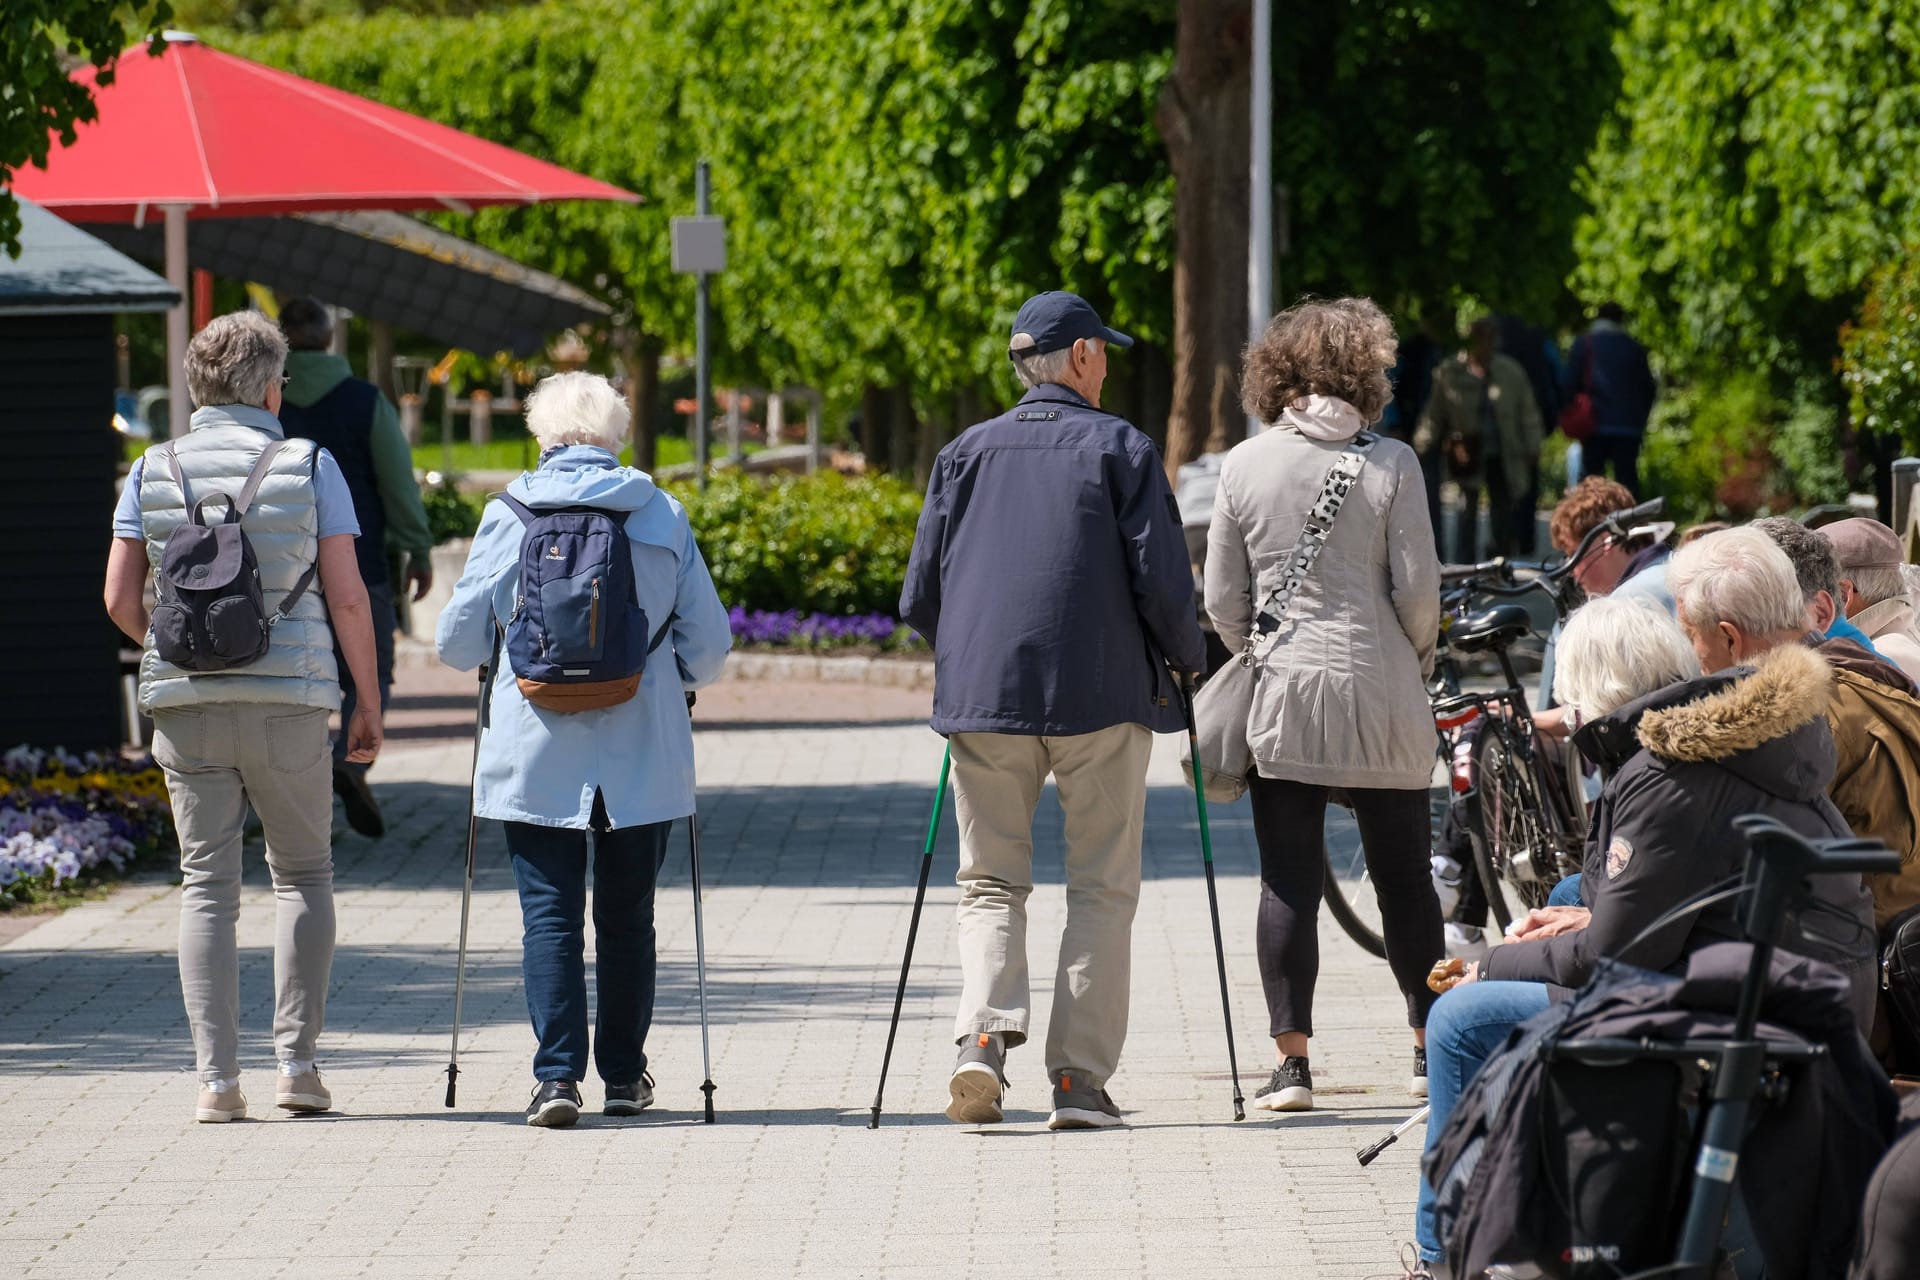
(349, 417)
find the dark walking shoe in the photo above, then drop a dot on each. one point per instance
(363, 814)
(1418, 1085)
(555, 1105)
(978, 1079)
(1290, 1089)
(1078, 1105)
(629, 1099)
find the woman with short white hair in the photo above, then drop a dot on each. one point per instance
(604, 746)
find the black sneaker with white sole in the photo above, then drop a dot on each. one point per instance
(1290, 1089)
(1418, 1085)
(555, 1105)
(629, 1099)
(1078, 1105)
(979, 1077)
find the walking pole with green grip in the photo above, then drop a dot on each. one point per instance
(913, 927)
(1213, 895)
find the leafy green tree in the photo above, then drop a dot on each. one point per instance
(40, 102)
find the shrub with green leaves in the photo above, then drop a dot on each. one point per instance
(825, 543)
(450, 513)
(1730, 449)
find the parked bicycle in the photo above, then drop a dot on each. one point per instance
(1521, 792)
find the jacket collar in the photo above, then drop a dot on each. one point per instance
(236, 415)
(1889, 615)
(1646, 558)
(1055, 391)
(576, 457)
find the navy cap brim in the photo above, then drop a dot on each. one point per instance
(1115, 337)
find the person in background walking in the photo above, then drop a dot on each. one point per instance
(620, 774)
(1536, 352)
(254, 734)
(1611, 366)
(1050, 575)
(1485, 426)
(1343, 701)
(353, 422)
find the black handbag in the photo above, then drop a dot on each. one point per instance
(1900, 980)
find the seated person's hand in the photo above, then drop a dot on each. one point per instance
(1554, 723)
(1548, 922)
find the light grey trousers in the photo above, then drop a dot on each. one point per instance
(218, 758)
(1102, 779)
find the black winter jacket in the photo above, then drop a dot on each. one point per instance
(1684, 762)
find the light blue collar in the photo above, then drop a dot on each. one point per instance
(236, 415)
(576, 457)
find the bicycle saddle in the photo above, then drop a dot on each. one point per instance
(1496, 628)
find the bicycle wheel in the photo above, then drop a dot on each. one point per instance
(1351, 898)
(1513, 851)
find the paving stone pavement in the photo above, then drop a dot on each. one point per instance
(811, 839)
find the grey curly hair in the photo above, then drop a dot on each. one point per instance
(1341, 348)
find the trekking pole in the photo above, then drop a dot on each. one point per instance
(700, 960)
(466, 892)
(1213, 894)
(1367, 1155)
(913, 927)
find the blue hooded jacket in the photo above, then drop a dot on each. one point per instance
(541, 766)
(1051, 576)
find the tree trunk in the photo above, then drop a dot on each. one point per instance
(380, 359)
(1203, 118)
(641, 356)
(876, 426)
(901, 450)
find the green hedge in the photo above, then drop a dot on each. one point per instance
(825, 543)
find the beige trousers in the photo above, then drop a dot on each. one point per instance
(1102, 778)
(218, 758)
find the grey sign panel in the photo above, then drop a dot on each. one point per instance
(699, 245)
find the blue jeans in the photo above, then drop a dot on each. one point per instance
(1566, 893)
(550, 864)
(1465, 1027)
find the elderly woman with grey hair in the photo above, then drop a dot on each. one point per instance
(231, 732)
(1683, 755)
(601, 784)
(1341, 700)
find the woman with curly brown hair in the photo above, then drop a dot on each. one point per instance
(1341, 699)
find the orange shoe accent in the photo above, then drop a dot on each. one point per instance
(1066, 1082)
(985, 1040)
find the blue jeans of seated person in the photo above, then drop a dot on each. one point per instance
(1465, 1027)
(1566, 893)
(550, 864)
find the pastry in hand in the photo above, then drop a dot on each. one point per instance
(1446, 975)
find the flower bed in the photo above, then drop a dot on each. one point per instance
(69, 822)
(760, 629)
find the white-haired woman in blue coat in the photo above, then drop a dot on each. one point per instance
(623, 772)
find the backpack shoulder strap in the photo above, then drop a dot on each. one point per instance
(258, 475)
(521, 511)
(305, 580)
(173, 469)
(661, 635)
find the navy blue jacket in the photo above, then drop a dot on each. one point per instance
(1050, 575)
(1620, 380)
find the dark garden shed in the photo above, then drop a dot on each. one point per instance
(59, 459)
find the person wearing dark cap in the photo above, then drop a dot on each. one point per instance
(349, 418)
(1050, 575)
(1873, 589)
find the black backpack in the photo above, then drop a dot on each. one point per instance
(1900, 981)
(210, 612)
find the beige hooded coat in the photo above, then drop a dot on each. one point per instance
(1341, 700)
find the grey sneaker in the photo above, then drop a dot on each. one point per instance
(1078, 1105)
(629, 1099)
(303, 1094)
(1290, 1089)
(218, 1108)
(555, 1104)
(978, 1079)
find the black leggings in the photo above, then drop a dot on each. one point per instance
(1289, 821)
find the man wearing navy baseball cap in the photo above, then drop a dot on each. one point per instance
(1050, 575)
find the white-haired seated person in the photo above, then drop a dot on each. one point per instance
(1683, 755)
(622, 772)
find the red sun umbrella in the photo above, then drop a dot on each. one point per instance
(196, 131)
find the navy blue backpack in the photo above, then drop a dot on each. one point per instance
(577, 639)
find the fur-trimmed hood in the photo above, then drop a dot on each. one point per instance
(1765, 723)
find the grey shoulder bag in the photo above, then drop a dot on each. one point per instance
(1225, 703)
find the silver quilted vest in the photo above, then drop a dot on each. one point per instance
(283, 525)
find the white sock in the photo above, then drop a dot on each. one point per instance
(220, 1086)
(295, 1066)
